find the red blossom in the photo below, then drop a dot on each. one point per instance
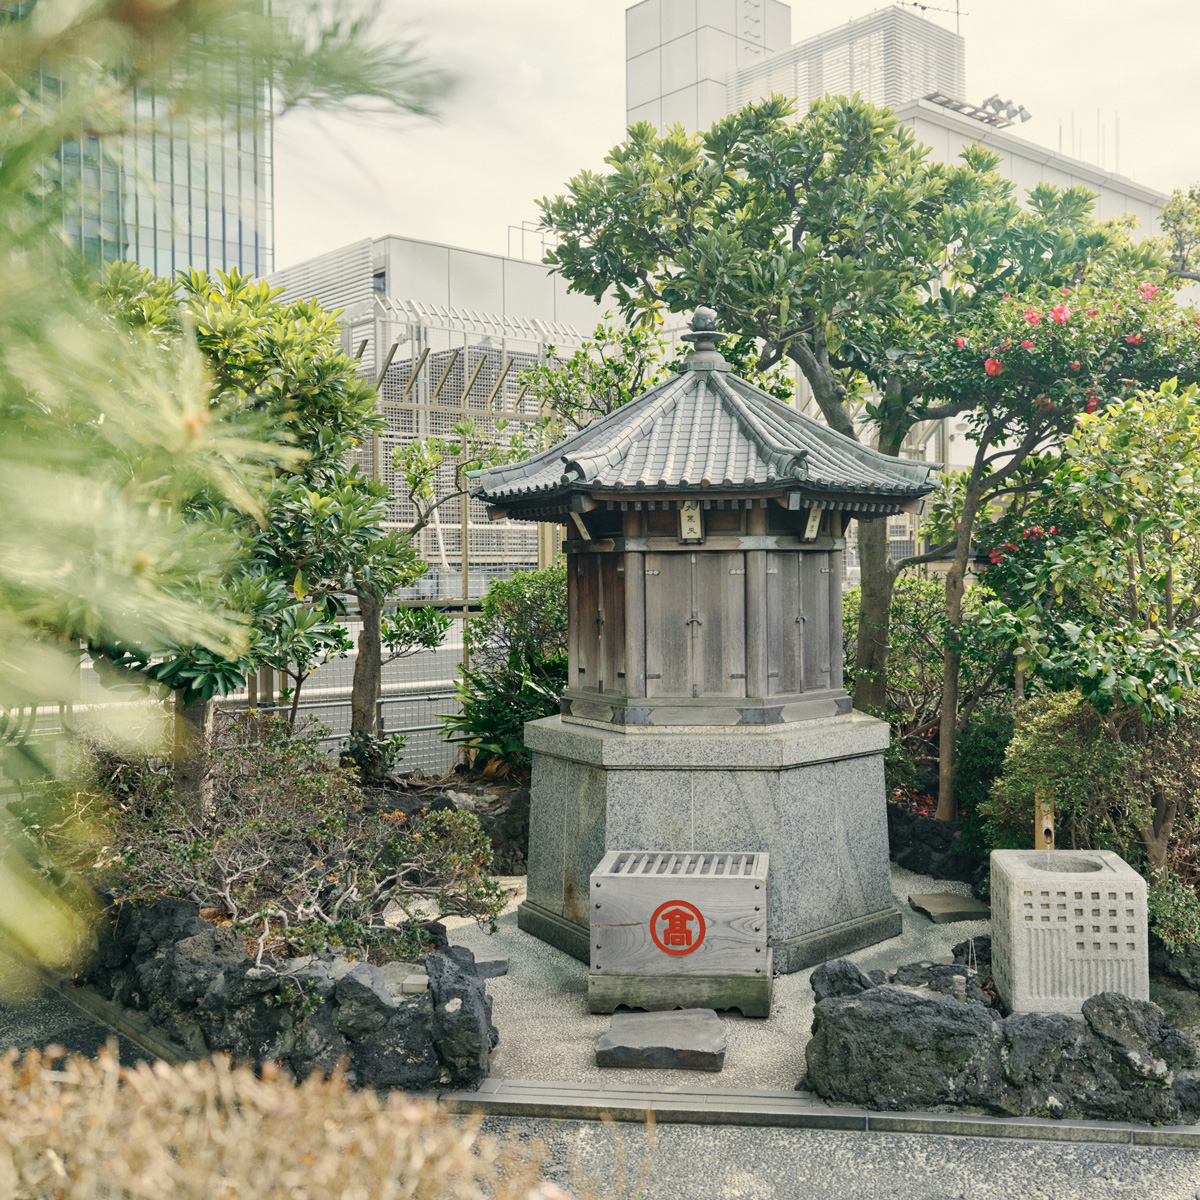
(1060, 313)
(993, 366)
(1134, 339)
(1033, 316)
(1092, 312)
(960, 342)
(1027, 345)
(1076, 366)
(1066, 291)
(1091, 404)
(1147, 291)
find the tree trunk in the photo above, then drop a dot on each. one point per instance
(874, 614)
(947, 807)
(878, 580)
(368, 669)
(193, 736)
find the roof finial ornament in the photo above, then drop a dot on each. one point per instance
(704, 337)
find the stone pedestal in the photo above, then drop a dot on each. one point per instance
(809, 793)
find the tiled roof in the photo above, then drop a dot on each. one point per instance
(706, 428)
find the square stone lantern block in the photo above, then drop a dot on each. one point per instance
(1067, 925)
(808, 793)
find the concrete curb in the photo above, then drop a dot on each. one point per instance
(783, 1109)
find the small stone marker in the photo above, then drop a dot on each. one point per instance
(944, 908)
(689, 1039)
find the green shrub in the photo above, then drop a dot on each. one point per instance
(526, 613)
(291, 856)
(1174, 910)
(982, 746)
(497, 701)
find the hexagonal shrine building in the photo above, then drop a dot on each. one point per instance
(704, 708)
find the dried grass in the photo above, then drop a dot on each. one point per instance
(94, 1130)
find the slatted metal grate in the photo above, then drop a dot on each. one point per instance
(696, 865)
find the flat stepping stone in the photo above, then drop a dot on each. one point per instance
(687, 1039)
(944, 908)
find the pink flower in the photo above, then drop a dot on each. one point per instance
(1134, 339)
(1066, 291)
(1092, 312)
(993, 366)
(1027, 345)
(1033, 316)
(1060, 313)
(1147, 291)
(1091, 404)
(1077, 365)
(960, 342)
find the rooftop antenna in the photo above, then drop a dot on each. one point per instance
(956, 10)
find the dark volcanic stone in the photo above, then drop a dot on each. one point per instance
(690, 1039)
(939, 977)
(982, 947)
(462, 1027)
(364, 1003)
(931, 847)
(254, 1032)
(1139, 1037)
(840, 977)
(506, 823)
(319, 1045)
(401, 1054)
(893, 1049)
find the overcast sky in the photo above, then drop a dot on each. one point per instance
(542, 95)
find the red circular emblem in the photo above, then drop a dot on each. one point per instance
(677, 927)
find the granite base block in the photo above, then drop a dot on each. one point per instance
(810, 793)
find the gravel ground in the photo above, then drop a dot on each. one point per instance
(690, 1162)
(547, 1033)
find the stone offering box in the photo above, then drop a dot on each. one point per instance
(680, 931)
(1067, 925)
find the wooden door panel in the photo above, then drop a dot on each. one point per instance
(814, 584)
(719, 641)
(668, 654)
(612, 629)
(585, 672)
(784, 669)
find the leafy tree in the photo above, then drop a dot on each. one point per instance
(1022, 370)
(831, 240)
(1180, 221)
(620, 362)
(323, 529)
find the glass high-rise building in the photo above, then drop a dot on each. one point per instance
(168, 195)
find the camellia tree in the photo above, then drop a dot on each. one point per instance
(1109, 604)
(1020, 372)
(828, 239)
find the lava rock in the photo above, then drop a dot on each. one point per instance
(364, 1003)
(462, 1027)
(931, 847)
(940, 977)
(506, 822)
(840, 977)
(195, 962)
(1142, 1043)
(689, 1039)
(402, 1053)
(319, 1044)
(255, 1032)
(981, 947)
(1183, 964)
(894, 1049)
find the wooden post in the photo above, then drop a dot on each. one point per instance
(635, 609)
(756, 605)
(1043, 820)
(837, 569)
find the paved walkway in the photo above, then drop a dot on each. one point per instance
(690, 1162)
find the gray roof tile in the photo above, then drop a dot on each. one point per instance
(705, 429)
